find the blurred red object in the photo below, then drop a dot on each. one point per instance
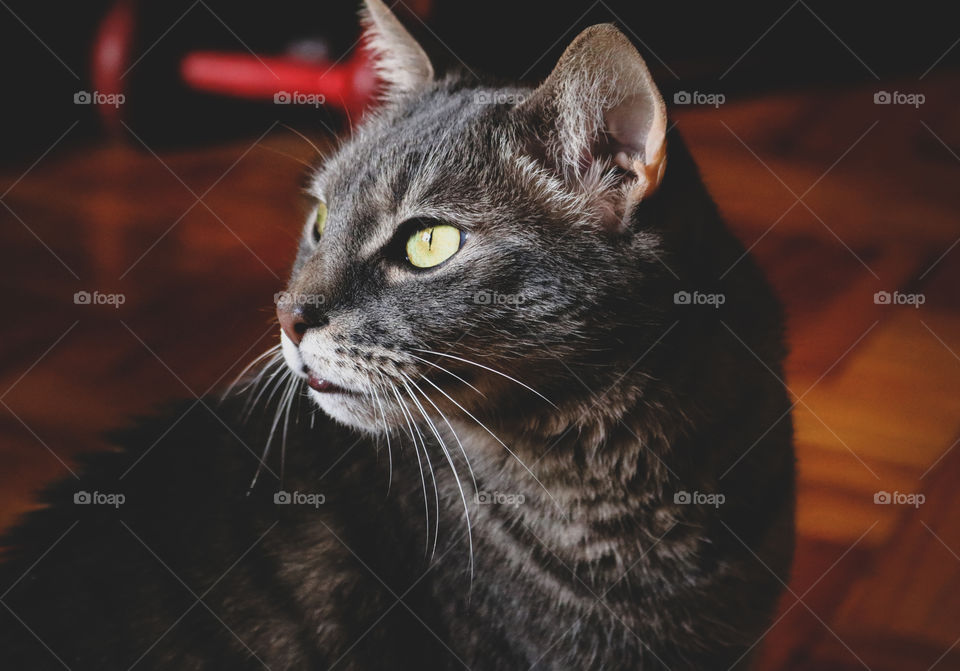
(349, 84)
(111, 57)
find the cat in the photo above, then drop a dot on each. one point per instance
(548, 428)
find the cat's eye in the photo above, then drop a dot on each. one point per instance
(320, 220)
(431, 246)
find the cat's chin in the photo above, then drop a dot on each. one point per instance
(348, 409)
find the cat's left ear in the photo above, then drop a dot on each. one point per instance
(600, 102)
(400, 61)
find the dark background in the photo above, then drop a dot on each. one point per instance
(695, 43)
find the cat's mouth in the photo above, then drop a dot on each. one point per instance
(323, 385)
(314, 379)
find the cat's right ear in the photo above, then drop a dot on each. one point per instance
(600, 107)
(401, 63)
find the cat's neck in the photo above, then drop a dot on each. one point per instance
(596, 462)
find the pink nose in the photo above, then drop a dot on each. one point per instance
(292, 322)
(295, 320)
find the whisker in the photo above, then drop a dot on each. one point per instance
(443, 448)
(386, 431)
(273, 350)
(346, 110)
(492, 370)
(273, 427)
(269, 386)
(295, 387)
(511, 452)
(448, 372)
(300, 398)
(273, 354)
(446, 453)
(262, 380)
(257, 381)
(304, 137)
(423, 482)
(283, 153)
(452, 430)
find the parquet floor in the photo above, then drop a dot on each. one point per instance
(838, 198)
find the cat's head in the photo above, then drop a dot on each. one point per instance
(470, 243)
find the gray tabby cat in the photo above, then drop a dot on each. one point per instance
(563, 372)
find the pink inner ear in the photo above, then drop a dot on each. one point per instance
(628, 127)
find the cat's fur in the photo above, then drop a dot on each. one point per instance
(582, 552)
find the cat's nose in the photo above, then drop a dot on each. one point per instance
(295, 322)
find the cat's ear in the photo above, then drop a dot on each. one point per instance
(600, 102)
(400, 61)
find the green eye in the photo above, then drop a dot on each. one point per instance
(320, 222)
(430, 247)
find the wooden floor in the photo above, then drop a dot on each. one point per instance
(838, 198)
